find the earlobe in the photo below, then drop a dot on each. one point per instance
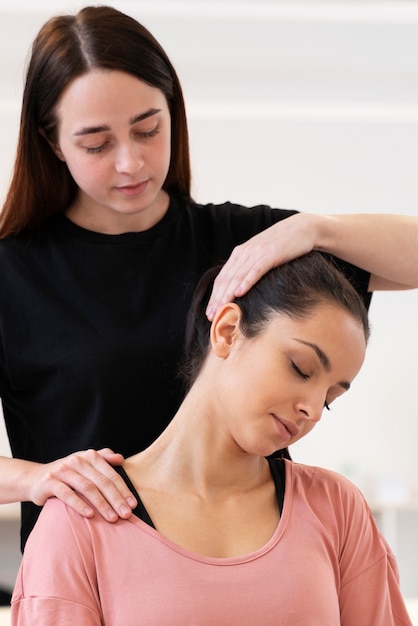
(225, 329)
(57, 150)
(54, 146)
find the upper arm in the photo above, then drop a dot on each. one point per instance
(370, 591)
(56, 583)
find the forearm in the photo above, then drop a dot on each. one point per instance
(385, 245)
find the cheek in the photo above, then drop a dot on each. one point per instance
(237, 382)
(160, 155)
(254, 384)
(87, 174)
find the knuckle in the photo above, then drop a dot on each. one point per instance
(78, 459)
(236, 251)
(85, 485)
(103, 482)
(90, 454)
(72, 461)
(104, 452)
(63, 491)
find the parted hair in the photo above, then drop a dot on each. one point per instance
(66, 47)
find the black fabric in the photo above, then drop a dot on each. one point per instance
(277, 468)
(140, 511)
(92, 327)
(5, 597)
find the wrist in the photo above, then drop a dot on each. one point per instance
(325, 233)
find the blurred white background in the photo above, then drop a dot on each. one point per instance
(303, 105)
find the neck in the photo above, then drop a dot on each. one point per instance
(196, 453)
(201, 490)
(100, 219)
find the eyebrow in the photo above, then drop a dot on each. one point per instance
(90, 130)
(323, 359)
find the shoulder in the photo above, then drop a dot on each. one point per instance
(9, 245)
(57, 571)
(62, 527)
(71, 542)
(57, 525)
(23, 258)
(326, 489)
(28, 241)
(231, 219)
(332, 500)
(230, 210)
(323, 479)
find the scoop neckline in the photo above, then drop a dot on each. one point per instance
(234, 560)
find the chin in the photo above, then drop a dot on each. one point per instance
(267, 450)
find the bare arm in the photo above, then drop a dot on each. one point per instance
(384, 245)
(89, 473)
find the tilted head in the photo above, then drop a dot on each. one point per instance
(304, 300)
(293, 289)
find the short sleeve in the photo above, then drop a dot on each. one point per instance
(56, 582)
(370, 593)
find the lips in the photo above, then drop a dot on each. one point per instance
(289, 429)
(133, 190)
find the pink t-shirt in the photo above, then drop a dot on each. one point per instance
(326, 564)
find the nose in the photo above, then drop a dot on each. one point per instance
(128, 159)
(311, 409)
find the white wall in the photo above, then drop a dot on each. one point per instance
(303, 105)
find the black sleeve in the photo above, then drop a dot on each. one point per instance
(222, 227)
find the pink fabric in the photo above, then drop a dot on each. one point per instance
(325, 565)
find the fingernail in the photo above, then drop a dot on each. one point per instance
(132, 502)
(125, 510)
(210, 311)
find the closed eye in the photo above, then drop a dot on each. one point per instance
(306, 377)
(299, 371)
(149, 133)
(96, 149)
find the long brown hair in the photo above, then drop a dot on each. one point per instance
(66, 47)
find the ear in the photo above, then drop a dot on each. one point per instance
(225, 329)
(54, 146)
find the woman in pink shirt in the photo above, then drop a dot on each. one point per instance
(226, 532)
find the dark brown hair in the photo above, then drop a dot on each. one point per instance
(293, 289)
(65, 48)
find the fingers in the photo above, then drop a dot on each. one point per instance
(86, 482)
(64, 492)
(243, 269)
(285, 240)
(114, 458)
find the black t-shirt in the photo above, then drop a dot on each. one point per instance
(92, 327)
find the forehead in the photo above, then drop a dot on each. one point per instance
(337, 333)
(108, 93)
(324, 319)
